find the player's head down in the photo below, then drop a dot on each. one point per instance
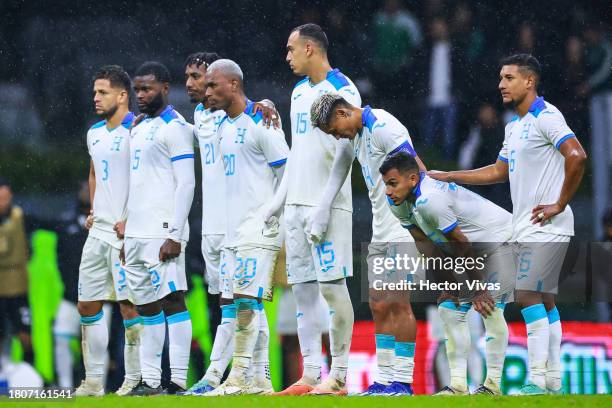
(400, 172)
(306, 43)
(224, 84)
(519, 76)
(111, 89)
(195, 71)
(332, 114)
(152, 86)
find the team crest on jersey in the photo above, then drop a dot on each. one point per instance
(152, 132)
(240, 133)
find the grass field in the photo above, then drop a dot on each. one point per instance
(111, 401)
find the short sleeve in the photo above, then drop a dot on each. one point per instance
(88, 141)
(395, 138)
(403, 214)
(553, 127)
(273, 145)
(179, 140)
(436, 210)
(503, 152)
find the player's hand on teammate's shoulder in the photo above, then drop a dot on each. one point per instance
(268, 110)
(440, 175)
(319, 220)
(541, 214)
(170, 249)
(89, 221)
(119, 229)
(137, 120)
(483, 303)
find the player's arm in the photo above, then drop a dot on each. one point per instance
(575, 161)
(269, 112)
(276, 151)
(339, 171)
(92, 191)
(491, 174)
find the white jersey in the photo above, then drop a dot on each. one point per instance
(155, 143)
(536, 168)
(213, 175)
(250, 151)
(312, 151)
(381, 136)
(110, 153)
(444, 206)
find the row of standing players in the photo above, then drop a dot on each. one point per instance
(257, 193)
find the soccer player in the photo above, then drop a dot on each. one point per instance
(101, 277)
(318, 221)
(254, 157)
(544, 162)
(206, 122)
(473, 227)
(161, 190)
(374, 134)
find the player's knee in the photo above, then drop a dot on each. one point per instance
(89, 308)
(380, 308)
(524, 298)
(128, 310)
(174, 303)
(402, 310)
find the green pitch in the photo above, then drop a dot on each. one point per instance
(111, 401)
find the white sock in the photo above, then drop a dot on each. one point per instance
(495, 347)
(247, 332)
(151, 347)
(94, 343)
(341, 326)
(179, 338)
(223, 347)
(553, 366)
(131, 352)
(403, 365)
(309, 328)
(458, 342)
(261, 358)
(385, 357)
(536, 320)
(63, 361)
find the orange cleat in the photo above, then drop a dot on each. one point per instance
(299, 388)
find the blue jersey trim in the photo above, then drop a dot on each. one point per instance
(98, 124)
(408, 226)
(183, 156)
(537, 106)
(502, 158)
(127, 121)
(368, 119)
(249, 111)
(168, 114)
(514, 118)
(278, 163)
(306, 79)
(563, 139)
(417, 189)
(337, 79)
(200, 107)
(404, 147)
(450, 227)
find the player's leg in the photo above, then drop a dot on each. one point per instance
(95, 285)
(67, 326)
(301, 274)
(132, 324)
(555, 334)
(457, 334)
(142, 288)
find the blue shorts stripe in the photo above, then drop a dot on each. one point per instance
(172, 286)
(534, 313)
(178, 317)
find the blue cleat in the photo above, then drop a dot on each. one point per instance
(398, 389)
(199, 388)
(374, 389)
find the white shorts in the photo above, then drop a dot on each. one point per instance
(101, 276)
(211, 252)
(148, 278)
(500, 267)
(539, 258)
(378, 252)
(67, 320)
(331, 259)
(252, 271)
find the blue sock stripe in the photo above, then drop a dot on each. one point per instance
(553, 315)
(178, 317)
(449, 304)
(385, 341)
(228, 311)
(152, 320)
(500, 305)
(534, 313)
(92, 319)
(404, 349)
(245, 304)
(131, 322)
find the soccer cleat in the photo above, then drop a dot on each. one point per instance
(90, 388)
(484, 390)
(300, 387)
(145, 390)
(174, 389)
(374, 389)
(398, 389)
(330, 386)
(555, 392)
(127, 387)
(229, 387)
(448, 390)
(531, 389)
(199, 388)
